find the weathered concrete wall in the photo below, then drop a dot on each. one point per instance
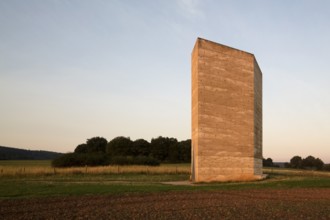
(226, 114)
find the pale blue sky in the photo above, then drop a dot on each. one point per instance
(71, 70)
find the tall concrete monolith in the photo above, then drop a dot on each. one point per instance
(226, 114)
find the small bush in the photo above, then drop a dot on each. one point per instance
(66, 160)
(78, 160)
(142, 160)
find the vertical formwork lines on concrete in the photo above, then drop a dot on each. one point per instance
(226, 114)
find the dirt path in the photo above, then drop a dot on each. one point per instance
(243, 204)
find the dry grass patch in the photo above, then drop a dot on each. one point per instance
(44, 170)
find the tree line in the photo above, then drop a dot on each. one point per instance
(123, 151)
(297, 162)
(309, 162)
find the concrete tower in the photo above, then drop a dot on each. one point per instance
(226, 114)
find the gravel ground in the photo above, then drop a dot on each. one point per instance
(236, 204)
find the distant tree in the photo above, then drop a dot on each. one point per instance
(140, 147)
(185, 151)
(120, 146)
(267, 162)
(173, 151)
(161, 146)
(318, 163)
(296, 162)
(308, 162)
(81, 148)
(96, 144)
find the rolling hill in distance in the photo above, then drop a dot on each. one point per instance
(11, 153)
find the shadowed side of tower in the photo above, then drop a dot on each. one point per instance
(226, 114)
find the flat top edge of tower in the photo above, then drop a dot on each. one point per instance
(233, 48)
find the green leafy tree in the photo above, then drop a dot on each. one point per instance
(141, 147)
(173, 152)
(120, 146)
(160, 148)
(318, 163)
(185, 151)
(96, 144)
(267, 162)
(296, 162)
(81, 148)
(311, 162)
(308, 162)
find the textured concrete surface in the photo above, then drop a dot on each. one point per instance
(226, 114)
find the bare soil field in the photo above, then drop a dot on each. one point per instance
(308, 203)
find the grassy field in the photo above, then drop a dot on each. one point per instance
(38, 178)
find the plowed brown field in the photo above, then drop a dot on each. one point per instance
(235, 204)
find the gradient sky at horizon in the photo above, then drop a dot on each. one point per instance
(72, 70)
